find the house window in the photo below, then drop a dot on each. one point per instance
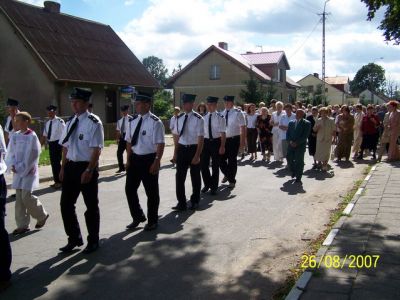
(280, 75)
(310, 88)
(215, 72)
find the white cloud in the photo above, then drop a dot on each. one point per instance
(129, 2)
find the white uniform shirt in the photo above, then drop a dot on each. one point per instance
(57, 129)
(87, 135)
(151, 133)
(7, 126)
(275, 122)
(23, 153)
(194, 128)
(251, 120)
(173, 125)
(3, 151)
(236, 119)
(285, 119)
(218, 125)
(119, 124)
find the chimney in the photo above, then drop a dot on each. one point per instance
(52, 7)
(223, 45)
(316, 75)
(249, 52)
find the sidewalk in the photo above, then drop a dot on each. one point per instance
(108, 160)
(372, 227)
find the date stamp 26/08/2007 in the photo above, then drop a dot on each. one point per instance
(351, 261)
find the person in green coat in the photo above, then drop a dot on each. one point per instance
(297, 134)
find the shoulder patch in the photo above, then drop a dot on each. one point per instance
(220, 115)
(93, 118)
(131, 118)
(180, 115)
(155, 118)
(197, 115)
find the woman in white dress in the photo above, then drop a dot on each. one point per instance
(276, 141)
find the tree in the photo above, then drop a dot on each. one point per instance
(270, 92)
(176, 70)
(304, 95)
(163, 104)
(391, 88)
(319, 97)
(156, 68)
(253, 92)
(391, 19)
(371, 77)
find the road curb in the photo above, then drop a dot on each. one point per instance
(50, 178)
(301, 284)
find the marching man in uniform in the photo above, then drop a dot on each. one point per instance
(52, 132)
(82, 139)
(145, 138)
(235, 139)
(189, 147)
(121, 131)
(12, 108)
(214, 146)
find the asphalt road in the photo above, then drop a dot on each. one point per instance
(238, 245)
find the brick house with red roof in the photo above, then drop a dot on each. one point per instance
(218, 72)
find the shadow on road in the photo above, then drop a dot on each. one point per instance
(293, 188)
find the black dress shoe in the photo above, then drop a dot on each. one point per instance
(213, 192)
(194, 206)
(150, 227)
(179, 208)
(70, 246)
(91, 247)
(293, 176)
(205, 189)
(135, 223)
(298, 180)
(120, 171)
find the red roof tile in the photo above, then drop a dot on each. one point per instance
(75, 49)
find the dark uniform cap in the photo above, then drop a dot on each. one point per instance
(124, 107)
(81, 94)
(51, 108)
(143, 98)
(229, 98)
(12, 102)
(211, 99)
(188, 98)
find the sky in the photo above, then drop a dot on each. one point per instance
(178, 30)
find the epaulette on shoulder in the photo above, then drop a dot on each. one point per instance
(155, 118)
(61, 120)
(180, 115)
(131, 118)
(220, 115)
(70, 118)
(197, 115)
(93, 118)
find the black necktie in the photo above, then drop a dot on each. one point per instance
(50, 127)
(71, 130)
(183, 126)
(123, 127)
(135, 136)
(10, 125)
(226, 117)
(209, 127)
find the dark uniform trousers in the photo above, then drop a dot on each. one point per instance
(137, 172)
(210, 151)
(120, 153)
(228, 163)
(184, 158)
(55, 151)
(71, 188)
(5, 248)
(295, 158)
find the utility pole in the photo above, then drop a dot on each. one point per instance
(324, 14)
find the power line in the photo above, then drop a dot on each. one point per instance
(306, 39)
(306, 8)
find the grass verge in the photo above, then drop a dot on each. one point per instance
(315, 244)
